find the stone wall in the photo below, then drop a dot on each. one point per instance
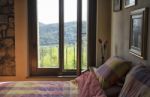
(7, 38)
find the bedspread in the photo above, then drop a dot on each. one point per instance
(89, 86)
(38, 89)
(86, 85)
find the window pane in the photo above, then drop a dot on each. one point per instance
(84, 35)
(70, 34)
(48, 33)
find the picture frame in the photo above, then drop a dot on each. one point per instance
(138, 32)
(117, 5)
(129, 3)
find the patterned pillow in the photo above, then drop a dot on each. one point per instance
(111, 71)
(137, 83)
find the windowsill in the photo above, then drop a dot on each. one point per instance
(51, 78)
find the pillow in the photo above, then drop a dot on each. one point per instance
(111, 71)
(137, 83)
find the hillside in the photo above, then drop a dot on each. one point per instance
(49, 33)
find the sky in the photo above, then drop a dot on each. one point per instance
(48, 11)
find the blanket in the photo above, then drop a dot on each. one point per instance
(89, 85)
(86, 85)
(38, 89)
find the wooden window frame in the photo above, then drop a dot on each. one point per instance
(33, 46)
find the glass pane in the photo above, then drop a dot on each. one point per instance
(84, 35)
(137, 35)
(48, 33)
(70, 34)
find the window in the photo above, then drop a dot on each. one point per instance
(59, 36)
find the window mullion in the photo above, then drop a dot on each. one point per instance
(79, 31)
(92, 9)
(61, 34)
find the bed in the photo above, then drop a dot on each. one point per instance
(85, 85)
(93, 83)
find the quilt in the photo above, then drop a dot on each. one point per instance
(86, 85)
(38, 89)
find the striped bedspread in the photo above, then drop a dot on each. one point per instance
(85, 85)
(38, 89)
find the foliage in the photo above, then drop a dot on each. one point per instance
(49, 57)
(49, 45)
(49, 33)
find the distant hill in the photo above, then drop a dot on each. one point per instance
(42, 24)
(49, 33)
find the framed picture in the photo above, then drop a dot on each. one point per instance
(138, 32)
(128, 3)
(117, 5)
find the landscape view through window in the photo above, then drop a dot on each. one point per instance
(48, 34)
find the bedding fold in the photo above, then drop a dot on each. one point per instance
(89, 86)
